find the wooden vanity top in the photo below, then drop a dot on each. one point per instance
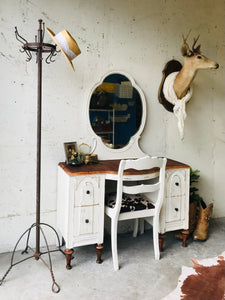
(111, 167)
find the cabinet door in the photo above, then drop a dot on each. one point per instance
(174, 198)
(86, 220)
(88, 210)
(176, 203)
(87, 191)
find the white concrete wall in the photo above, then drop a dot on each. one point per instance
(136, 36)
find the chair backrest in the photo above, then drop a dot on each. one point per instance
(144, 163)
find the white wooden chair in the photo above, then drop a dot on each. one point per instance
(142, 199)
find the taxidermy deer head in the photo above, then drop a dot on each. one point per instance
(175, 88)
(193, 61)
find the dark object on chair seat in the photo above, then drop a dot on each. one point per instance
(130, 202)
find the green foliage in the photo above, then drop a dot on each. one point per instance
(194, 177)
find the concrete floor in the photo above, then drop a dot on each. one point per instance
(140, 276)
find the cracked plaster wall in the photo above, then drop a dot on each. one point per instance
(138, 37)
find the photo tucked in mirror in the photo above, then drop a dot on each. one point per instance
(115, 111)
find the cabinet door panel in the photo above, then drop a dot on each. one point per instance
(175, 195)
(86, 192)
(173, 209)
(176, 185)
(85, 220)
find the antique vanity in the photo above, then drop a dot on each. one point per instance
(116, 112)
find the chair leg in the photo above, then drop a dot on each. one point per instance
(161, 240)
(114, 224)
(156, 237)
(142, 226)
(136, 221)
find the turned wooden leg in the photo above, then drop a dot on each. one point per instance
(185, 234)
(68, 253)
(99, 248)
(161, 239)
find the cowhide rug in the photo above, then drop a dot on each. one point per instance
(204, 281)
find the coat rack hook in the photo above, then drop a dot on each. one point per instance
(19, 37)
(49, 59)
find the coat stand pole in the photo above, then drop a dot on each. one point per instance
(39, 48)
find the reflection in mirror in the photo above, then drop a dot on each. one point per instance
(115, 111)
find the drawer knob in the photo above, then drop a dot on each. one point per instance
(176, 209)
(86, 221)
(177, 183)
(88, 192)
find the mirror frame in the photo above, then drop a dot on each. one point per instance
(132, 149)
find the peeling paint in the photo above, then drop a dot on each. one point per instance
(3, 36)
(27, 214)
(10, 216)
(46, 16)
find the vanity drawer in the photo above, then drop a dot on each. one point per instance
(175, 208)
(86, 220)
(175, 195)
(86, 191)
(175, 184)
(174, 212)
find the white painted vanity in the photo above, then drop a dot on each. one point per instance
(81, 189)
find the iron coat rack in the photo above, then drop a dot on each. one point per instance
(38, 47)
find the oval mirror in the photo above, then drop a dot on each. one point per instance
(115, 110)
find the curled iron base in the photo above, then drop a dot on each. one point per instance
(37, 256)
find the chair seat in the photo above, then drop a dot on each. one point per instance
(130, 202)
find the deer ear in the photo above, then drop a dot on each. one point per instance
(197, 50)
(185, 51)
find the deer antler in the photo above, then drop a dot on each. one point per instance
(197, 49)
(185, 39)
(185, 51)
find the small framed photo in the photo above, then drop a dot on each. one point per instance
(70, 150)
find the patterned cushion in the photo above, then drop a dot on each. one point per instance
(129, 202)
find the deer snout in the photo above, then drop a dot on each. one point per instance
(214, 66)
